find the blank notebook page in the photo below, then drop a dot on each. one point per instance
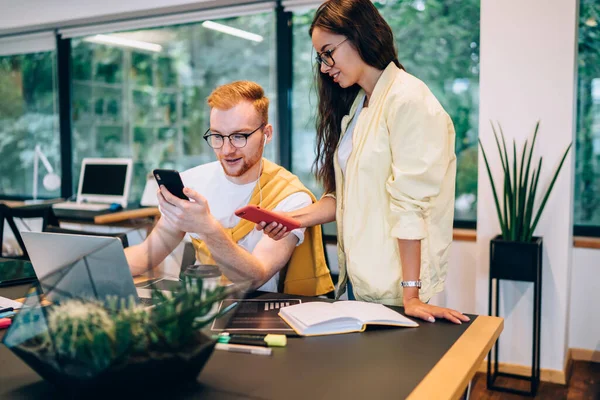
(314, 313)
(371, 312)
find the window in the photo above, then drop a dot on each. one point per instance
(304, 103)
(142, 94)
(587, 170)
(28, 117)
(445, 56)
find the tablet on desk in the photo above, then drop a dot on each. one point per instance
(254, 316)
(16, 272)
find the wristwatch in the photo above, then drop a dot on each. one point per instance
(416, 284)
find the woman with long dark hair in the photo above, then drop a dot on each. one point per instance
(385, 156)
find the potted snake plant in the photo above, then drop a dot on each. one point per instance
(516, 254)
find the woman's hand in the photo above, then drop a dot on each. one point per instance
(274, 230)
(318, 213)
(414, 307)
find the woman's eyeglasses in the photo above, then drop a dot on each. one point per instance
(326, 57)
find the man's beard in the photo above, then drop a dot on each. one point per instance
(246, 166)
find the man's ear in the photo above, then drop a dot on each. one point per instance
(268, 131)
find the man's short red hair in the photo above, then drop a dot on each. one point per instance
(228, 96)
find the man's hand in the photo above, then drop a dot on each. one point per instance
(416, 308)
(189, 216)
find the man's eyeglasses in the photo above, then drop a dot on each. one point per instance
(238, 140)
(325, 57)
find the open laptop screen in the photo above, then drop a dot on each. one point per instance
(105, 180)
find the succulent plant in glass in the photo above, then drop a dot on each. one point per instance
(80, 344)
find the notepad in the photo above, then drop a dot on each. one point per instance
(320, 318)
(4, 303)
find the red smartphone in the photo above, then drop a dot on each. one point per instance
(170, 179)
(256, 214)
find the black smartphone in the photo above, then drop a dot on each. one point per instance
(170, 179)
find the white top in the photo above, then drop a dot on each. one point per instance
(345, 148)
(224, 197)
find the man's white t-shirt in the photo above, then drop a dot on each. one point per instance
(224, 197)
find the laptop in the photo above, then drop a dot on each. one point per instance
(102, 182)
(81, 266)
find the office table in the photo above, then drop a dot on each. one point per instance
(107, 217)
(86, 216)
(434, 361)
(144, 217)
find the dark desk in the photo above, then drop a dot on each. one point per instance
(434, 361)
(106, 217)
(86, 216)
(144, 217)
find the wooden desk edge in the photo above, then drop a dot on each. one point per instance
(125, 215)
(451, 375)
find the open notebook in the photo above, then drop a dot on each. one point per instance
(320, 318)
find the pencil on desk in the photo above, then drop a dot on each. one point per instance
(242, 348)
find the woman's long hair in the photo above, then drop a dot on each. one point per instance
(367, 31)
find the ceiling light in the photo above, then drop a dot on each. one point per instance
(232, 31)
(120, 41)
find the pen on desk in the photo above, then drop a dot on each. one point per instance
(7, 309)
(5, 322)
(240, 348)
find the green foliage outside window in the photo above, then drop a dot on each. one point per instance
(28, 116)
(587, 170)
(152, 105)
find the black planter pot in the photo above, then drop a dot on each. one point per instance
(516, 261)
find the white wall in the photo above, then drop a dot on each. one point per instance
(528, 73)
(584, 321)
(459, 293)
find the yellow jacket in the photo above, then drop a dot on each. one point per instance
(306, 273)
(399, 184)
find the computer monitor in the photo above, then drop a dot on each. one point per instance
(105, 180)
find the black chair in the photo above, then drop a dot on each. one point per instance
(57, 229)
(8, 214)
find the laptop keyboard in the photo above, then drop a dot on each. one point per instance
(81, 206)
(145, 301)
